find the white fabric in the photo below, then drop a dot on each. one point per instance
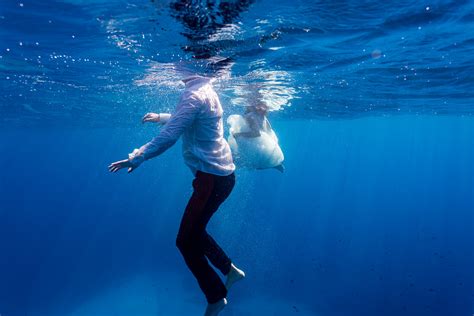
(253, 152)
(198, 117)
(164, 118)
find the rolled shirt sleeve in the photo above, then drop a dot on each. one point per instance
(164, 118)
(176, 123)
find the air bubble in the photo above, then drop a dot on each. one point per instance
(376, 54)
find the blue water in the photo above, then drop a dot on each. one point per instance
(373, 105)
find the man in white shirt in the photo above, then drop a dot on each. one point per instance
(198, 118)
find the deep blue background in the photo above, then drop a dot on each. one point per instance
(372, 216)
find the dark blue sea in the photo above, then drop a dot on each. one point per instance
(373, 104)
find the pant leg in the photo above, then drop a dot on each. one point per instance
(212, 250)
(192, 236)
(216, 255)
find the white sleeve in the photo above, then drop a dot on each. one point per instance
(164, 118)
(181, 119)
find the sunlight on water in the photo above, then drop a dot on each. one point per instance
(325, 60)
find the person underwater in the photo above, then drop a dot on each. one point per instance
(198, 121)
(253, 142)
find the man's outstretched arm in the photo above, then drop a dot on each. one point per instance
(184, 116)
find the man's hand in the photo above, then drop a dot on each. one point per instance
(151, 117)
(116, 166)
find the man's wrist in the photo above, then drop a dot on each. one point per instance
(136, 158)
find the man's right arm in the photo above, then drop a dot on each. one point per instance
(164, 118)
(176, 124)
(161, 118)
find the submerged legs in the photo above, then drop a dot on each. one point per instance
(196, 244)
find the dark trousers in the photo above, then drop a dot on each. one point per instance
(195, 243)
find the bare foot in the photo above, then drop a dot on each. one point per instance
(216, 308)
(234, 275)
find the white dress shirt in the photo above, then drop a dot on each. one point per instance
(198, 117)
